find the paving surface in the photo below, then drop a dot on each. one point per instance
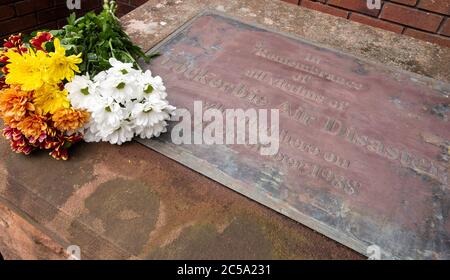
(131, 202)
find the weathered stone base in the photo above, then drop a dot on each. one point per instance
(130, 202)
(22, 240)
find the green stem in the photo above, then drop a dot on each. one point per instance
(132, 58)
(111, 47)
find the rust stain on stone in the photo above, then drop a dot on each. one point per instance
(110, 200)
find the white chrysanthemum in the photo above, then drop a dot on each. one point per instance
(109, 118)
(151, 112)
(147, 132)
(91, 133)
(82, 93)
(119, 67)
(120, 88)
(100, 77)
(121, 135)
(155, 83)
(123, 102)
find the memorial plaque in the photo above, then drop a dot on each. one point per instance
(363, 155)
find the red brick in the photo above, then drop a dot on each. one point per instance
(438, 6)
(86, 5)
(436, 39)
(61, 22)
(123, 9)
(33, 15)
(376, 23)
(46, 26)
(324, 8)
(406, 2)
(90, 5)
(291, 1)
(446, 28)
(17, 24)
(137, 3)
(355, 5)
(6, 12)
(29, 6)
(411, 17)
(53, 14)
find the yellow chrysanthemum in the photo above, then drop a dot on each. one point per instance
(61, 66)
(50, 98)
(27, 70)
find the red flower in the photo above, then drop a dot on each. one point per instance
(60, 154)
(15, 42)
(19, 142)
(38, 42)
(2, 82)
(60, 145)
(58, 142)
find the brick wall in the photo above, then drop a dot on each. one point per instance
(423, 19)
(126, 6)
(28, 15)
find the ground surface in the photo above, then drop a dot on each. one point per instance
(131, 202)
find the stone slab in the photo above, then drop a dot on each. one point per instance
(197, 217)
(364, 154)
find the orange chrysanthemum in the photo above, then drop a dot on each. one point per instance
(14, 104)
(69, 119)
(33, 125)
(11, 121)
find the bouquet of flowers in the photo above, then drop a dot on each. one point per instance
(78, 83)
(123, 102)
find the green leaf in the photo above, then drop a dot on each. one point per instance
(92, 57)
(99, 37)
(71, 19)
(56, 32)
(154, 55)
(50, 47)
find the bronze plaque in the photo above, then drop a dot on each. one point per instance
(364, 148)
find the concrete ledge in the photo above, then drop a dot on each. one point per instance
(156, 19)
